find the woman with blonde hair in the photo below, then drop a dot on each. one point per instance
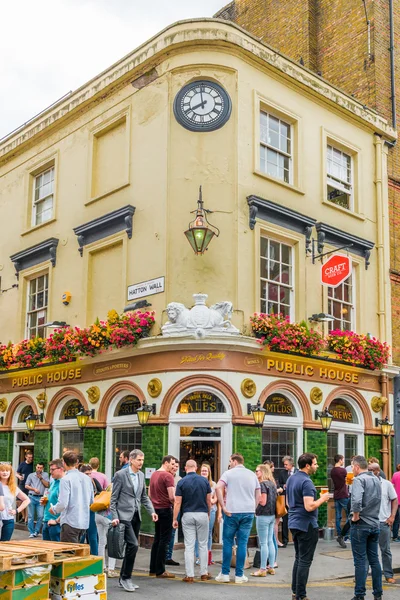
(11, 493)
(265, 519)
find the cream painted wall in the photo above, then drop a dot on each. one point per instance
(166, 164)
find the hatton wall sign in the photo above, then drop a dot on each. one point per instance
(336, 270)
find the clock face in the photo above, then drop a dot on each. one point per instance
(202, 106)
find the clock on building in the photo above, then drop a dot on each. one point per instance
(202, 106)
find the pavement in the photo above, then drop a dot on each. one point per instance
(331, 575)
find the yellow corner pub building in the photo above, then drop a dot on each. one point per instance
(96, 194)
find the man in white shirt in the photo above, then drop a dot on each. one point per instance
(387, 513)
(76, 496)
(242, 495)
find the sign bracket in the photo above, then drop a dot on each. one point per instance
(315, 257)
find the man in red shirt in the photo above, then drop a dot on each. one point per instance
(162, 494)
(340, 494)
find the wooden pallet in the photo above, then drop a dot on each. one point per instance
(33, 551)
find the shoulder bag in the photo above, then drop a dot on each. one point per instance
(280, 508)
(116, 541)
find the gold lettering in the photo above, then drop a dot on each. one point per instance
(39, 378)
(331, 374)
(213, 406)
(78, 373)
(296, 370)
(355, 377)
(280, 365)
(323, 372)
(309, 371)
(270, 364)
(288, 367)
(14, 383)
(340, 375)
(347, 377)
(25, 380)
(49, 377)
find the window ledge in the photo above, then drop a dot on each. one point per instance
(108, 193)
(35, 255)
(288, 186)
(104, 226)
(346, 211)
(35, 227)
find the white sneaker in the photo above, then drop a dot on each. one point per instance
(242, 579)
(222, 578)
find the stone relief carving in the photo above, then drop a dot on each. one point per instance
(200, 320)
(42, 400)
(93, 394)
(378, 402)
(3, 404)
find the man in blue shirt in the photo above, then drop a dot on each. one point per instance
(301, 497)
(51, 524)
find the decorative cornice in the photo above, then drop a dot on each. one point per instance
(195, 32)
(102, 227)
(35, 255)
(279, 215)
(326, 234)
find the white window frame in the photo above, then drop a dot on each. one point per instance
(268, 281)
(350, 428)
(278, 151)
(351, 306)
(113, 422)
(338, 183)
(37, 201)
(28, 334)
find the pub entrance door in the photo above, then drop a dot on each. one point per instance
(202, 444)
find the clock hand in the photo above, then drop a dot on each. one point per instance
(197, 105)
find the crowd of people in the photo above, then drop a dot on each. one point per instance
(76, 503)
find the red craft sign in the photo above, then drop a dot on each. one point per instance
(336, 270)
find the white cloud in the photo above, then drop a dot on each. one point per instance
(49, 47)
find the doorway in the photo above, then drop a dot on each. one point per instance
(202, 451)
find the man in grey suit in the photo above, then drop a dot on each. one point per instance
(128, 494)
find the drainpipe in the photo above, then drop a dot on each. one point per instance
(391, 50)
(385, 442)
(380, 234)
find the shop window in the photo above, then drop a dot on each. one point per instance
(350, 447)
(72, 441)
(341, 305)
(125, 439)
(339, 168)
(200, 402)
(276, 277)
(127, 406)
(38, 297)
(70, 410)
(277, 404)
(277, 443)
(275, 147)
(332, 450)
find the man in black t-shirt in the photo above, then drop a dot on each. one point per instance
(24, 469)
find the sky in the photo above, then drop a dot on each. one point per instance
(50, 47)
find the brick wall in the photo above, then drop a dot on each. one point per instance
(247, 441)
(94, 444)
(43, 448)
(6, 446)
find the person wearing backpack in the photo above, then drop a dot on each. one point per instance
(265, 520)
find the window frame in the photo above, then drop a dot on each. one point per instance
(338, 183)
(271, 238)
(42, 200)
(279, 152)
(29, 312)
(343, 303)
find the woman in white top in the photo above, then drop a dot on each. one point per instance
(11, 493)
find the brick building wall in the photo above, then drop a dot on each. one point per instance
(330, 37)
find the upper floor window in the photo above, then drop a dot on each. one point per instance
(276, 277)
(275, 147)
(341, 305)
(339, 169)
(38, 296)
(43, 197)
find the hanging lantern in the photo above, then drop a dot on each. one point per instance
(32, 419)
(200, 231)
(144, 412)
(82, 417)
(325, 417)
(258, 413)
(386, 426)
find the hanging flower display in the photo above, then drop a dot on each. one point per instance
(277, 333)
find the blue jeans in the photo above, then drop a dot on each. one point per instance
(364, 544)
(34, 508)
(91, 535)
(7, 530)
(340, 505)
(51, 533)
(237, 525)
(170, 548)
(265, 531)
(210, 533)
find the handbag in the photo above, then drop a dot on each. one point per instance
(233, 561)
(101, 501)
(257, 560)
(280, 508)
(116, 541)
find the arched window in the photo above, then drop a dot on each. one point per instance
(200, 402)
(342, 411)
(25, 412)
(70, 409)
(127, 406)
(278, 404)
